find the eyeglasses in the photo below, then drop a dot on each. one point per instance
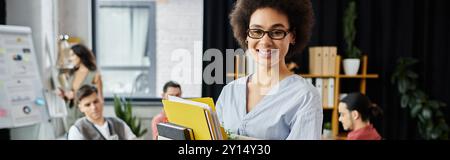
(275, 34)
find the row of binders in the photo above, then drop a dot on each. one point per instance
(322, 60)
(194, 119)
(326, 87)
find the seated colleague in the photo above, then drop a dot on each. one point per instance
(171, 88)
(355, 113)
(273, 103)
(94, 126)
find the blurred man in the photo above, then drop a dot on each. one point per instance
(94, 126)
(171, 88)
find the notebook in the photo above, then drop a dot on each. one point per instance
(174, 132)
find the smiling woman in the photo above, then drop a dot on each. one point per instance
(287, 104)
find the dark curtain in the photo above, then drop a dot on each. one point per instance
(217, 35)
(387, 30)
(2, 12)
(4, 133)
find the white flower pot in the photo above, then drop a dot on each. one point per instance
(327, 134)
(351, 66)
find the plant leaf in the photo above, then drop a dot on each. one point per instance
(412, 75)
(433, 104)
(124, 110)
(415, 110)
(117, 107)
(404, 101)
(426, 113)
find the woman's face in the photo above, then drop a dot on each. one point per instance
(74, 59)
(268, 50)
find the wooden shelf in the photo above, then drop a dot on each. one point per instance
(317, 76)
(368, 76)
(341, 136)
(337, 77)
(360, 76)
(338, 137)
(234, 75)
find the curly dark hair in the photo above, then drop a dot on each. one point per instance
(299, 13)
(85, 55)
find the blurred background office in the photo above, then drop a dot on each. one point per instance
(146, 42)
(143, 41)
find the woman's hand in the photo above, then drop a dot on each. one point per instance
(70, 95)
(60, 93)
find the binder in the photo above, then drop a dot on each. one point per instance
(325, 93)
(331, 92)
(315, 60)
(319, 86)
(312, 52)
(175, 132)
(197, 114)
(325, 61)
(318, 61)
(332, 59)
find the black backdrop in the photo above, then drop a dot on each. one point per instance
(2, 12)
(387, 30)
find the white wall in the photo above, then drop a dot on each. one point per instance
(75, 19)
(37, 14)
(48, 19)
(179, 24)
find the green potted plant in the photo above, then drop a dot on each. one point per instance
(124, 111)
(430, 119)
(352, 59)
(327, 132)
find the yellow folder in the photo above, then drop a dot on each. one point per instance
(199, 119)
(210, 103)
(189, 116)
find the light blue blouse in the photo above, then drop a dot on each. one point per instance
(292, 110)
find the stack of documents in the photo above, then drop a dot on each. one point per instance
(197, 114)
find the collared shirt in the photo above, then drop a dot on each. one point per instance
(160, 118)
(291, 110)
(74, 133)
(366, 133)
